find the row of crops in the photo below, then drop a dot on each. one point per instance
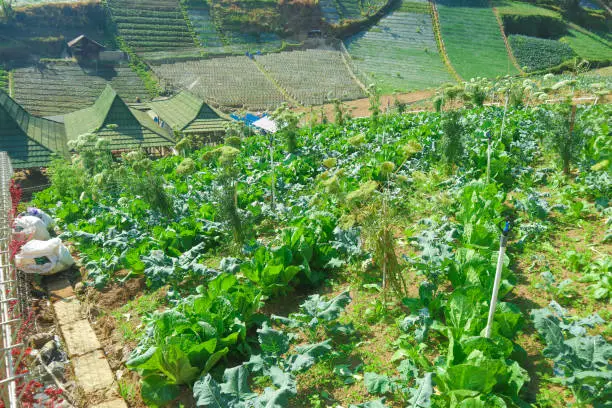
(400, 52)
(588, 45)
(151, 26)
(228, 81)
(535, 54)
(56, 89)
(310, 77)
(225, 235)
(473, 40)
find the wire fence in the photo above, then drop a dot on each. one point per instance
(13, 298)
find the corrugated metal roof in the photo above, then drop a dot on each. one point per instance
(187, 113)
(30, 141)
(110, 117)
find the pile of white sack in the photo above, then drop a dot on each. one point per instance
(41, 254)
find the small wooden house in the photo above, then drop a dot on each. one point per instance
(85, 49)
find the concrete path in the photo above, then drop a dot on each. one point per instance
(91, 370)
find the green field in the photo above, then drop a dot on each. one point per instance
(204, 27)
(537, 53)
(399, 53)
(335, 11)
(149, 26)
(4, 79)
(588, 45)
(473, 39)
(56, 89)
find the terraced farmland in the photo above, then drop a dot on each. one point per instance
(312, 77)
(61, 88)
(228, 81)
(588, 45)
(151, 25)
(239, 43)
(205, 29)
(473, 39)
(400, 52)
(335, 11)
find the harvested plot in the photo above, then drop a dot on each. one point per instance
(149, 26)
(312, 77)
(588, 45)
(473, 39)
(62, 88)
(228, 81)
(400, 52)
(537, 53)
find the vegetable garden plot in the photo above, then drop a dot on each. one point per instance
(204, 335)
(473, 39)
(151, 26)
(59, 88)
(228, 81)
(538, 53)
(399, 53)
(312, 77)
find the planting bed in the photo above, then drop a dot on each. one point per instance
(400, 52)
(473, 39)
(538, 53)
(228, 81)
(149, 26)
(312, 77)
(56, 89)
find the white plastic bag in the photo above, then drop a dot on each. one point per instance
(29, 227)
(44, 257)
(46, 219)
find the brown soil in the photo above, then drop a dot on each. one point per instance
(117, 295)
(360, 107)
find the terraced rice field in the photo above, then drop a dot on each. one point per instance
(228, 81)
(588, 45)
(151, 25)
(400, 52)
(312, 77)
(473, 39)
(60, 88)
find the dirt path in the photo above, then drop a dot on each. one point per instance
(359, 108)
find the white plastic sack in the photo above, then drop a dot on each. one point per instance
(29, 227)
(44, 257)
(46, 219)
